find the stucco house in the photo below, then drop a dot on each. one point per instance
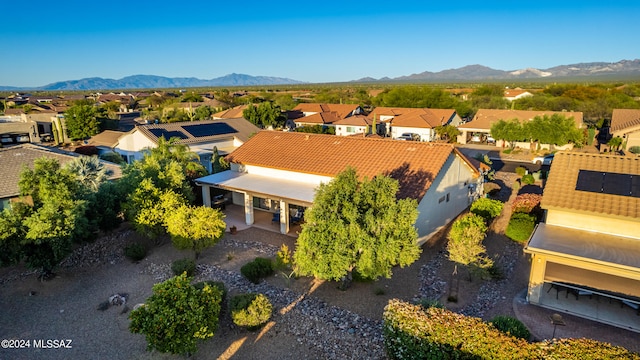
(311, 114)
(421, 121)
(357, 124)
(14, 159)
(200, 136)
(585, 256)
(479, 128)
(625, 123)
(515, 94)
(278, 172)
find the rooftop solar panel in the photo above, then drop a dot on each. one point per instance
(202, 130)
(608, 183)
(168, 134)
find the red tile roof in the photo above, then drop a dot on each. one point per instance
(624, 119)
(356, 120)
(560, 191)
(414, 164)
(323, 118)
(342, 110)
(234, 112)
(423, 118)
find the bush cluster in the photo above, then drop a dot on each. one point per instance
(511, 326)
(257, 269)
(135, 251)
(219, 285)
(520, 226)
(250, 310)
(528, 179)
(487, 208)
(634, 149)
(521, 170)
(413, 332)
(527, 203)
(183, 265)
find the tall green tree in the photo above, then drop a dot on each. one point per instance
(81, 121)
(357, 226)
(195, 228)
(177, 316)
(465, 244)
(509, 131)
(218, 163)
(58, 215)
(266, 114)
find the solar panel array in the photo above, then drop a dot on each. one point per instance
(608, 183)
(168, 134)
(203, 130)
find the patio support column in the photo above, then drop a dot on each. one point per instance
(206, 195)
(248, 208)
(536, 278)
(284, 217)
(462, 138)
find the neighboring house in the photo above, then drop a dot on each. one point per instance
(479, 128)
(586, 255)
(625, 123)
(14, 159)
(357, 124)
(25, 128)
(311, 114)
(515, 94)
(278, 172)
(200, 136)
(421, 121)
(105, 141)
(233, 113)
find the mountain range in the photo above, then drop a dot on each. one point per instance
(623, 69)
(594, 70)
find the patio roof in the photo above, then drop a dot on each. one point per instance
(257, 184)
(605, 249)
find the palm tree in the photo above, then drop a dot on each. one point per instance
(89, 171)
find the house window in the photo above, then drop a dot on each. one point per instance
(441, 200)
(351, 129)
(447, 197)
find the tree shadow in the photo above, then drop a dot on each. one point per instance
(412, 182)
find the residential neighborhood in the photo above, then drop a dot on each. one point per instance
(211, 181)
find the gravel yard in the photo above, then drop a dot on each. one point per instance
(312, 319)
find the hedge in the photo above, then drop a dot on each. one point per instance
(487, 208)
(520, 226)
(412, 332)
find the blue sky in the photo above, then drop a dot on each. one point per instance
(330, 41)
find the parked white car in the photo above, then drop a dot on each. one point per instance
(543, 160)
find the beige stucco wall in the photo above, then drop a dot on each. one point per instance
(341, 130)
(425, 134)
(597, 223)
(435, 212)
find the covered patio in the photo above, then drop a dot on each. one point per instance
(588, 274)
(260, 200)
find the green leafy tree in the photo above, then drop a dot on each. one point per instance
(81, 121)
(203, 112)
(357, 225)
(177, 316)
(191, 97)
(12, 232)
(58, 216)
(465, 244)
(555, 129)
(265, 115)
(448, 132)
(218, 163)
(509, 131)
(416, 97)
(195, 228)
(615, 143)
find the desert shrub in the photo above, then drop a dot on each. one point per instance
(257, 269)
(507, 151)
(520, 226)
(495, 272)
(634, 149)
(491, 188)
(177, 316)
(521, 170)
(283, 258)
(250, 310)
(183, 265)
(213, 284)
(487, 208)
(526, 203)
(511, 326)
(135, 251)
(528, 179)
(113, 157)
